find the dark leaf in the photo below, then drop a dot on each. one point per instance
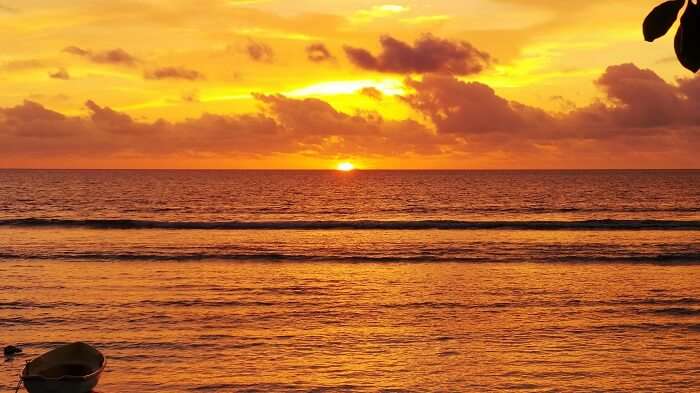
(687, 42)
(661, 18)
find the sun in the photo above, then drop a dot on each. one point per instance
(346, 166)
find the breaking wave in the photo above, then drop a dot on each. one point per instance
(602, 225)
(662, 259)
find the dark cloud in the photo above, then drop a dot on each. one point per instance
(113, 56)
(61, 73)
(457, 107)
(316, 123)
(173, 73)
(74, 50)
(286, 126)
(428, 54)
(112, 121)
(564, 103)
(645, 114)
(643, 99)
(644, 121)
(318, 53)
(260, 52)
(35, 124)
(372, 93)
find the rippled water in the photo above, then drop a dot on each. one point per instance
(206, 281)
(363, 327)
(215, 196)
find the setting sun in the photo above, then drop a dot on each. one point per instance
(346, 166)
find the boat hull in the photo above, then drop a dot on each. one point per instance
(72, 368)
(62, 386)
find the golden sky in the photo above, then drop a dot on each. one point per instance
(308, 84)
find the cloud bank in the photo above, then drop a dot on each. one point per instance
(644, 120)
(286, 126)
(646, 117)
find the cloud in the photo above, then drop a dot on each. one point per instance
(285, 126)
(32, 122)
(459, 108)
(173, 73)
(74, 50)
(260, 52)
(372, 92)
(112, 121)
(113, 56)
(327, 131)
(643, 115)
(61, 73)
(31, 129)
(642, 97)
(318, 53)
(643, 121)
(428, 54)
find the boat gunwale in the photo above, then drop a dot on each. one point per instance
(34, 377)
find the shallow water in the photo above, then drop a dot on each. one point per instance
(365, 327)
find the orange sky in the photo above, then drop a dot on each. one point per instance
(308, 84)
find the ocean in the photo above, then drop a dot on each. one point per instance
(366, 281)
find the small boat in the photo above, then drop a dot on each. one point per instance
(72, 368)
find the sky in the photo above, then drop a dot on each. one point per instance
(474, 84)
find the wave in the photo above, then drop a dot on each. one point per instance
(356, 225)
(691, 258)
(677, 311)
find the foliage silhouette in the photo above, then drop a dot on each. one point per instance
(661, 19)
(687, 41)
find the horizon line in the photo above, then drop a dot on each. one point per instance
(354, 170)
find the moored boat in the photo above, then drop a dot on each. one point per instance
(72, 368)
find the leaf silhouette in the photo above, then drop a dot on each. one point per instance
(688, 38)
(661, 18)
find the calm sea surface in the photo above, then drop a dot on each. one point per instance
(266, 281)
